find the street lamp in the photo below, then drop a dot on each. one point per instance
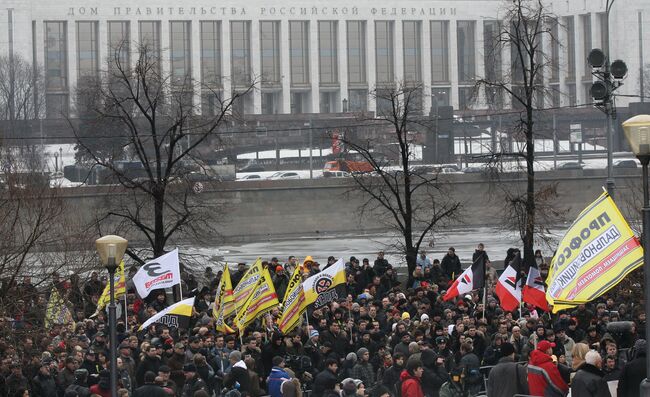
(345, 105)
(637, 132)
(111, 249)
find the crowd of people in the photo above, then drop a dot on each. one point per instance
(390, 337)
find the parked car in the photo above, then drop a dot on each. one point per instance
(473, 170)
(282, 175)
(252, 167)
(250, 177)
(336, 174)
(570, 165)
(625, 164)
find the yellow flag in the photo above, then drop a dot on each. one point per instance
(224, 305)
(259, 302)
(120, 288)
(57, 311)
(246, 285)
(293, 303)
(320, 289)
(175, 316)
(595, 254)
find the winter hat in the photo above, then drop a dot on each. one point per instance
(424, 317)
(348, 385)
(279, 269)
(235, 355)
(361, 352)
(507, 349)
(351, 357)
(545, 345)
(406, 315)
(313, 333)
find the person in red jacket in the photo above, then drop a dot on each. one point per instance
(544, 379)
(411, 379)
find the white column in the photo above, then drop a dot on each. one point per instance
(285, 67)
(225, 60)
(426, 66)
(342, 53)
(102, 44)
(398, 53)
(453, 64)
(580, 60)
(195, 51)
(481, 100)
(313, 65)
(256, 66)
(165, 56)
(71, 36)
(371, 65)
(562, 62)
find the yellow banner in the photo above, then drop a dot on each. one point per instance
(260, 301)
(224, 305)
(246, 285)
(293, 303)
(320, 288)
(596, 253)
(120, 288)
(57, 312)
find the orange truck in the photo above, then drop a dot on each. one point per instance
(347, 166)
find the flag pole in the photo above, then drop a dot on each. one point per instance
(126, 312)
(484, 300)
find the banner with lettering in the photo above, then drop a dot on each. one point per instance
(320, 289)
(175, 316)
(595, 254)
(162, 272)
(293, 303)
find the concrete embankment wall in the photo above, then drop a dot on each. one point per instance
(286, 209)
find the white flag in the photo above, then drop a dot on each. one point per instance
(162, 272)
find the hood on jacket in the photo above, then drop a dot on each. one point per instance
(538, 357)
(404, 376)
(240, 364)
(428, 358)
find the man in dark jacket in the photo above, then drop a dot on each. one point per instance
(326, 380)
(238, 374)
(43, 383)
(451, 264)
(193, 381)
(390, 377)
(280, 282)
(149, 389)
(588, 381)
(151, 362)
(507, 378)
(80, 384)
(634, 371)
(435, 374)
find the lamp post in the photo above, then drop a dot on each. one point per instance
(637, 132)
(111, 249)
(345, 105)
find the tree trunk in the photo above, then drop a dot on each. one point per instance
(411, 259)
(529, 232)
(159, 225)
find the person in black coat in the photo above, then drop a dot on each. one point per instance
(238, 374)
(588, 381)
(151, 362)
(149, 389)
(451, 264)
(633, 372)
(390, 378)
(435, 374)
(326, 380)
(43, 384)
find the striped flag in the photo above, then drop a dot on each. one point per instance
(175, 316)
(508, 287)
(293, 303)
(259, 302)
(472, 278)
(534, 291)
(224, 305)
(320, 289)
(120, 288)
(246, 285)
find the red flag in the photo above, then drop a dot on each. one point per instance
(534, 292)
(472, 278)
(508, 287)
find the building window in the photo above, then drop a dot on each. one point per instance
(327, 52)
(412, 37)
(572, 94)
(180, 52)
(299, 102)
(440, 97)
(299, 53)
(328, 102)
(492, 50)
(604, 32)
(440, 51)
(210, 103)
(211, 53)
(56, 69)
(150, 40)
(466, 97)
(87, 49)
(356, 40)
(569, 25)
(555, 50)
(119, 42)
(240, 50)
(270, 102)
(384, 52)
(466, 51)
(270, 52)
(358, 100)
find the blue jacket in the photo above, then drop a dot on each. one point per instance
(275, 380)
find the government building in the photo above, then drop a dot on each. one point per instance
(321, 56)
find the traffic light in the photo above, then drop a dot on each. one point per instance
(609, 77)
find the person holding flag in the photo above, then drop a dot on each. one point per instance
(508, 287)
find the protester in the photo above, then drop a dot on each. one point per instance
(507, 378)
(588, 381)
(544, 378)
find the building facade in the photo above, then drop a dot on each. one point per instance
(318, 57)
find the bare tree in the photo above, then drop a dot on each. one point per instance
(412, 202)
(20, 83)
(160, 131)
(525, 27)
